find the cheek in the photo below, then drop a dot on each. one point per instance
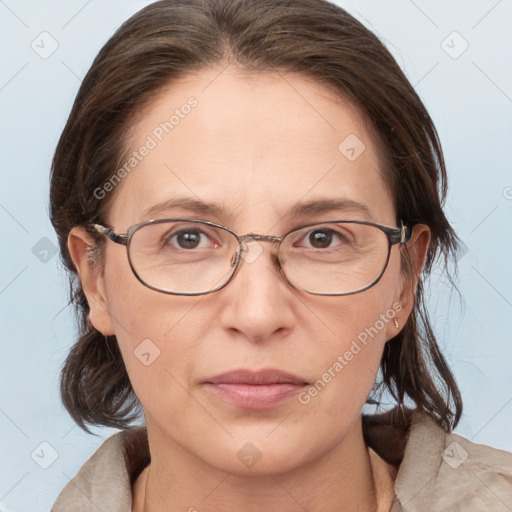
(148, 326)
(357, 328)
(353, 349)
(346, 362)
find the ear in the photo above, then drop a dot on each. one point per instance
(91, 277)
(416, 248)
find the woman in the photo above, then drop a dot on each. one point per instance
(248, 197)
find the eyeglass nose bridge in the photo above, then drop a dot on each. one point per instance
(257, 238)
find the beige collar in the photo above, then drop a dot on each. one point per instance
(437, 470)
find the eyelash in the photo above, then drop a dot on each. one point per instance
(168, 238)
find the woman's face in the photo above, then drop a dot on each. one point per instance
(257, 147)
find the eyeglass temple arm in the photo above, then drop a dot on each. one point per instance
(405, 233)
(400, 235)
(109, 232)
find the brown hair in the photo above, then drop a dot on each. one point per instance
(170, 38)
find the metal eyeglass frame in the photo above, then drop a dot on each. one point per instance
(394, 236)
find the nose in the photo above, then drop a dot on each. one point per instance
(258, 301)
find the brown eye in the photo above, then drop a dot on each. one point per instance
(188, 239)
(320, 238)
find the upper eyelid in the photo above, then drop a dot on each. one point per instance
(194, 220)
(309, 228)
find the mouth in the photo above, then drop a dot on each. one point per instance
(258, 390)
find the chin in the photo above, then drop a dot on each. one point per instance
(254, 455)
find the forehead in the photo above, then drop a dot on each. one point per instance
(255, 145)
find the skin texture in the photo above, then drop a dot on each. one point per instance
(256, 145)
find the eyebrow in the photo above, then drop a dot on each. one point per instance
(301, 209)
(186, 203)
(328, 205)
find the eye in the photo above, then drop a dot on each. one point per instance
(188, 239)
(320, 238)
(323, 238)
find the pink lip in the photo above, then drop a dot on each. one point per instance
(255, 390)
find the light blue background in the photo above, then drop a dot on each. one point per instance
(470, 100)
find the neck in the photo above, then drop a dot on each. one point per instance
(340, 479)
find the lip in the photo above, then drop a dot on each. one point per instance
(255, 390)
(260, 377)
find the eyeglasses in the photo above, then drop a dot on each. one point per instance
(195, 257)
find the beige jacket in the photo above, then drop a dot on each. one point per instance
(438, 472)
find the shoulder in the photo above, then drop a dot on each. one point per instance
(105, 480)
(444, 471)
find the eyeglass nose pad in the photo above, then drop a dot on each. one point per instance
(242, 249)
(235, 258)
(238, 254)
